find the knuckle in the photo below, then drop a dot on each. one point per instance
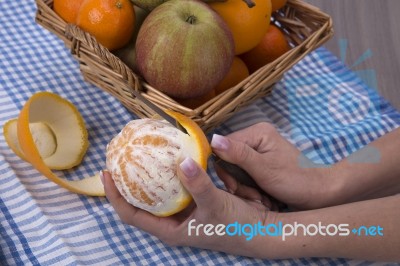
(243, 153)
(204, 189)
(266, 128)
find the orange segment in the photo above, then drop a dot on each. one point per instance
(52, 109)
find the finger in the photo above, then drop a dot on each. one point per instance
(198, 184)
(235, 187)
(129, 214)
(257, 136)
(229, 182)
(236, 152)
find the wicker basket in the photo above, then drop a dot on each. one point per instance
(305, 27)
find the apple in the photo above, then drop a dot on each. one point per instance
(184, 48)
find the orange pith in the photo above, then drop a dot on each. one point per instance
(88, 186)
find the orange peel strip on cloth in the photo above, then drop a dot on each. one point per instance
(50, 134)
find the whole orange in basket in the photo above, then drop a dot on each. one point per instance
(272, 46)
(67, 9)
(277, 4)
(236, 74)
(111, 22)
(248, 24)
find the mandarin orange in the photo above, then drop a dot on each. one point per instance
(67, 9)
(111, 22)
(236, 74)
(248, 25)
(272, 46)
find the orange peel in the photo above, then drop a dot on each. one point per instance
(46, 115)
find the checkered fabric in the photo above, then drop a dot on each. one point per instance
(320, 106)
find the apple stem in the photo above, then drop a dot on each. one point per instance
(191, 19)
(249, 3)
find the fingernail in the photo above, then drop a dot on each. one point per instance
(219, 142)
(189, 167)
(101, 174)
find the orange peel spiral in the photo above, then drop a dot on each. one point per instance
(46, 115)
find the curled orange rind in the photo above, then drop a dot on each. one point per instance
(50, 134)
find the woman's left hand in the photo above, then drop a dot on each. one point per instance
(211, 206)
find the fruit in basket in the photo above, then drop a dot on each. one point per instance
(50, 133)
(148, 4)
(272, 46)
(143, 160)
(128, 53)
(67, 9)
(111, 22)
(184, 48)
(236, 74)
(278, 4)
(197, 101)
(248, 25)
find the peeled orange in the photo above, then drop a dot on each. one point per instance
(143, 160)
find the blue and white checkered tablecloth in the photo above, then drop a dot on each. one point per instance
(320, 106)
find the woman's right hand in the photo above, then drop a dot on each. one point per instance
(275, 165)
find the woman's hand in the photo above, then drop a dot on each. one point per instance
(276, 166)
(211, 206)
(287, 175)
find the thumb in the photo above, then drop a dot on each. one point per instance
(235, 152)
(198, 183)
